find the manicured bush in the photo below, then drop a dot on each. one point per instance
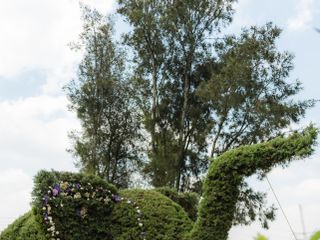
(187, 200)
(24, 228)
(162, 218)
(80, 207)
(227, 173)
(134, 214)
(260, 237)
(315, 236)
(73, 206)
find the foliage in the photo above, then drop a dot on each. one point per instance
(247, 88)
(260, 237)
(195, 87)
(185, 88)
(169, 39)
(228, 171)
(162, 218)
(187, 200)
(107, 144)
(155, 216)
(252, 205)
(73, 206)
(315, 236)
(24, 228)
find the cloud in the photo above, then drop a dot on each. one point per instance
(16, 187)
(304, 15)
(34, 133)
(35, 34)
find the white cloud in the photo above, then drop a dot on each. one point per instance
(304, 15)
(16, 187)
(34, 133)
(35, 34)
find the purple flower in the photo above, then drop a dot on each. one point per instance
(57, 186)
(78, 185)
(46, 199)
(116, 198)
(56, 190)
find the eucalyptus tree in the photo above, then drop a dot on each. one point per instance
(169, 40)
(107, 144)
(199, 90)
(247, 88)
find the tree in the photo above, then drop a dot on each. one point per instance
(197, 91)
(246, 86)
(101, 97)
(250, 101)
(169, 41)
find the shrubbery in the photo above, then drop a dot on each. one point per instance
(315, 236)
(59, 200)
(162, 218)
(24, 228)
(187, 200)
(73, 206)
(80, 207)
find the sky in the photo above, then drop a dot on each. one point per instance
(36, 62)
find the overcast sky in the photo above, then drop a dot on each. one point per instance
(35, 62)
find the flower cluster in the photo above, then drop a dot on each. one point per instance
(68, 191)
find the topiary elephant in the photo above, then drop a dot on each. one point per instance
(75, 206)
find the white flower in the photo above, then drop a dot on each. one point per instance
(77, 195)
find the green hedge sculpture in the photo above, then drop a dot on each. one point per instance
(79, 207)
(315, 236)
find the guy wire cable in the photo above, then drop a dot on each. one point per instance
(285, 216)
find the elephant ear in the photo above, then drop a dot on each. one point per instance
(73, 206)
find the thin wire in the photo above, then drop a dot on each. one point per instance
(285, 216)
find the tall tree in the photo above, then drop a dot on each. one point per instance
(169, 39)
(101, 97)
(248, 91)
(194, 90)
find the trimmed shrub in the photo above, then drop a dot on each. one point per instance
(73, 206)
(187, 200)
(260, 237)
(59, 198)
(162, 218)
(315, 236)
(227, 173)
(77, 207)
(24, 228)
